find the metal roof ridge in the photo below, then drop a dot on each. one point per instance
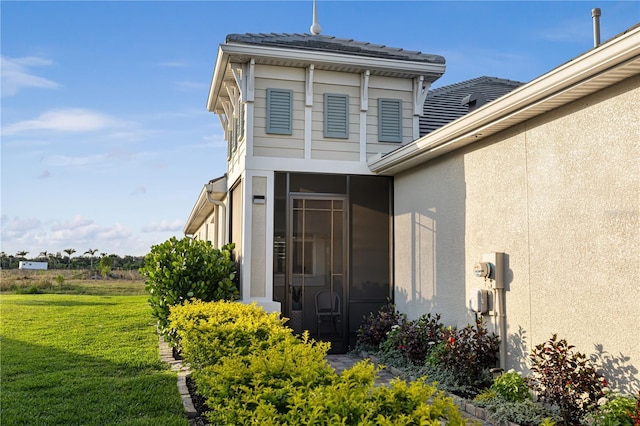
(366, 47)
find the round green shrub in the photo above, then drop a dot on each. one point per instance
(511, 386)
(179, 270)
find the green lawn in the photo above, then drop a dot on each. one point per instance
(83, 360)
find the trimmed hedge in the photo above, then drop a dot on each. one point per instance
(209, 331)
(252, 370)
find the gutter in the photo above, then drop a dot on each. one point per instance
(543, 94)
(212, 193)
(209, 190)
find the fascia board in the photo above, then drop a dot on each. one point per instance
(198, 213)
(329, 58)
(218, 77)
(225, 51)
(513, 105)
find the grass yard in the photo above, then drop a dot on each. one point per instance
(83, 360)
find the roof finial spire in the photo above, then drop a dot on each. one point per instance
(315, 27)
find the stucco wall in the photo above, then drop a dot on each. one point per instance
(560, 196)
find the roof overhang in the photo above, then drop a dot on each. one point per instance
(242, 53)
(215, 189)
(601, 67)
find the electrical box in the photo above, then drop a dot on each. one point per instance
(478, 300)
(482, 269)
(496, 271)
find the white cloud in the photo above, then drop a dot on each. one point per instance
(115, 232)
(164, 226)
(63, 120)
(16, 74)
(44, 175)
(74, 224)
(16, 227)
(80, 233)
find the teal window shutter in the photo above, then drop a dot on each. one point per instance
(279, 111)
(336, 116)
(389, 120)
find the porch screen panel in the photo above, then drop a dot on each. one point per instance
(370, 238)
(279, 236)
(321, 184)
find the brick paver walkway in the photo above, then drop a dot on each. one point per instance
(343, 361)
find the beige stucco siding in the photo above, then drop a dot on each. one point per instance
(560, 196)
(429, 234)
(271, 145)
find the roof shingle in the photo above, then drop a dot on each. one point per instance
(444, 104)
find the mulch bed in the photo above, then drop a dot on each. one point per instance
(198, 403)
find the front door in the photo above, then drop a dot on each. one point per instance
(316, 274)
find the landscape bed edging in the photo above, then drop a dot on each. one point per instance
(166, 355)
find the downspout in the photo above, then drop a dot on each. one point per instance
(501, 326)
(209, 189)
(499, 288)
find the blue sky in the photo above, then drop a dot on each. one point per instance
(106, 140)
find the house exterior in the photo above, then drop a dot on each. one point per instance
(343, 175)
(548, 177)
(302, 113)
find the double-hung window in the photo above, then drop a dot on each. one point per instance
(336, 116)
(389, 120)
(279, 111)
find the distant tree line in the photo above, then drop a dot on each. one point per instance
(65, 260)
